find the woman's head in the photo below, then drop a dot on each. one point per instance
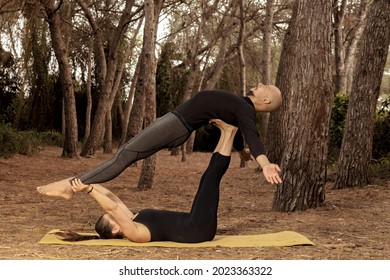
(106, 228)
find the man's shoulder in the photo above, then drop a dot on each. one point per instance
(219, 92)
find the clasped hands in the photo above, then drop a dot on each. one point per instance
(78, 186)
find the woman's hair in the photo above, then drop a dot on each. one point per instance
(103, 227)
(68, 235)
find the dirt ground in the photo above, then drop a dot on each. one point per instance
(354, 224)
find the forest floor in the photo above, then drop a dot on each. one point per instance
(353, 225)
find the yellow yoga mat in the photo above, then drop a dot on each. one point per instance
(281, 239)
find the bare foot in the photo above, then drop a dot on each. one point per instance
(222, 125)
(60, 188)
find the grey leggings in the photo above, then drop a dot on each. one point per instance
(167, 131)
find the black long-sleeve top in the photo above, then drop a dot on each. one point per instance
(229, 107)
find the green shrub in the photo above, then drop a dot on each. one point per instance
(380, 170)
(25, 142)
(336, 129)
(381, 140)
(8, 141)
(50, 138)
(28, 143)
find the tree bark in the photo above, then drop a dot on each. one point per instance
(88, 110)
(152, 11)
(266, 61)
(241, 56)
(138, 108)
(308, 109)
(60, 47)
(108, 66)
(227, 27)
(285, 81)
(356, 148)
(107, 143)
(345, 43)
(267, 43)
(129, 103)
(350, 51)
(126, 135)
(338, 16)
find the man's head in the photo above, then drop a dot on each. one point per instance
(266, 98)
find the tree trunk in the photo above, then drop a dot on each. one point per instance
(60, 48)
(138, 109)
(152, 10)
(88, 110)
(267, 43)
(345, 43)
(338, 15)
(356, 148)
(183, 153)
(241, 57)
(107, 144)
(350, 52)
(309, 107)
(228, 23)
(285, 81)
(266, 61)
(129, 102)
(108, 65)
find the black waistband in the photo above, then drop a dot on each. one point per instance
(180, 117)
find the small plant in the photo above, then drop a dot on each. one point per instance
(8, 141)
(380, 170)
(28, 143)
(50, 138)
(25, 142)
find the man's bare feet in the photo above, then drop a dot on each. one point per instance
(60, 188)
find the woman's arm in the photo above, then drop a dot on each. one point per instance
(111, 198)
(112, 205)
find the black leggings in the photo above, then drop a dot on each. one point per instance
(169, 131)
(198, 225)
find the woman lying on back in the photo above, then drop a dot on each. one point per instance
(198, 225)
